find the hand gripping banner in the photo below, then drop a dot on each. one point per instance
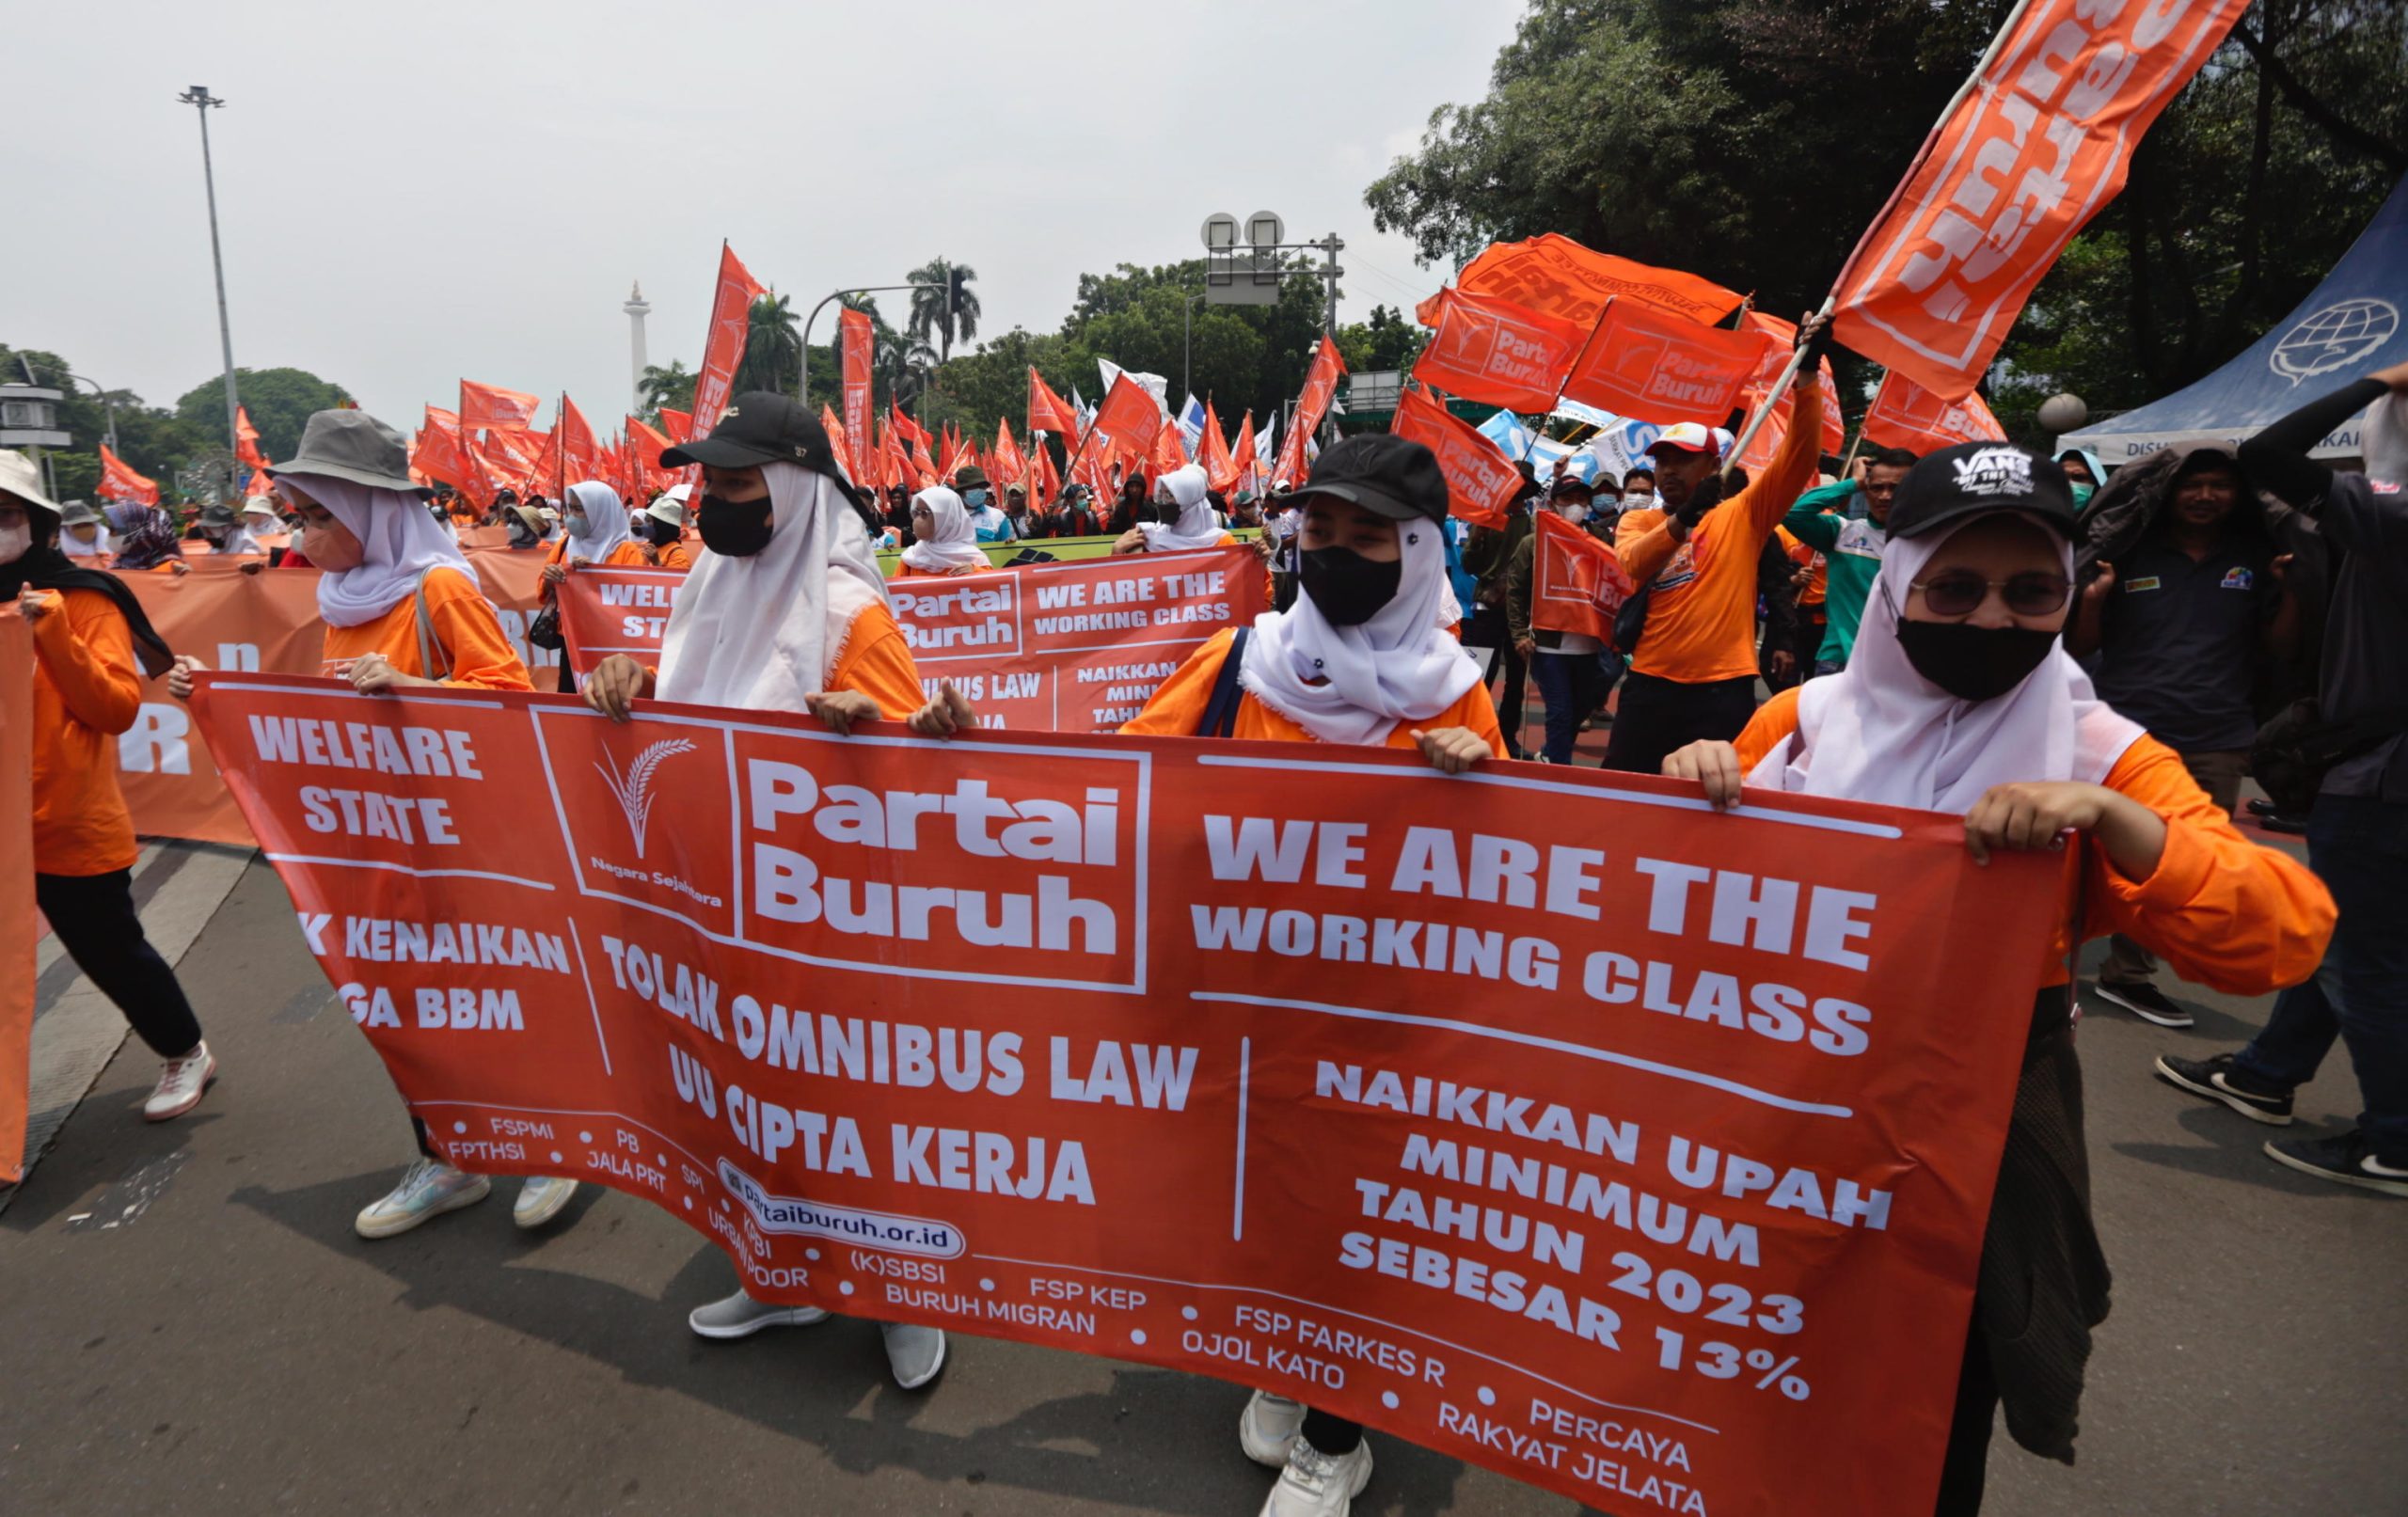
(1076, 646)
(1537, 1115)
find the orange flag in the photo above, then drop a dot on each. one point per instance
(1213, 451)
(909, 429)
(841, 441)
(1480, 481)
(856, 337)
(1557, 276)
(1169, 452)
(1128, 418)
(119, 481)
(247, 440)
(723, 346)
(1242, 461)
(1048, 479)
(2023, 158)
(581, 454)
(1006, 459)
(1906, 415)
(1321, 383)
(1576, 582)
(438, 454)
(1651, 367)
(1046, 411)
(491, 407)
(1491, 350)
(647, 445)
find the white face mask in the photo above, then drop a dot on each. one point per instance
(14, 541)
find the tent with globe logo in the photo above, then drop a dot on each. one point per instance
(2351, 324)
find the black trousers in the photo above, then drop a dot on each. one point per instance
(93, 915)
(1965, 1469)
(1490, 629)
(1657, 716)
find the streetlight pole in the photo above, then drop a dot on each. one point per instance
(202, 100)
(802, 386)
(1187, 345)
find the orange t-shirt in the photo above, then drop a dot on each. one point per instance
(672, 556)
(1178, 705)
(2222, 911)
(876, 660)
(86, 690)
(1702, 618)
(1818, 578)
(903, 570)
(465, 627)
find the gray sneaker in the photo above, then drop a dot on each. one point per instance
(428, 1188)
(916, 1355)
(541, 1199)
(739, 1317)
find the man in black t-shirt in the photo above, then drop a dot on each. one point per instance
(2184, 623)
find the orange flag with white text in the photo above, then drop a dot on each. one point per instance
(493, 408)
(723, 346)
(1651, 367)
(1906, 415)
(1046, 411)
(1480, 481)
(1213, 451)
(1320, 384)
(1491, 350)
(119, 481)
(2025, 157)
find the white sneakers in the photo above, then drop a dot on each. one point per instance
(1269, 1428)
(428, 1188)
(1311, 1483)
(182, 1083)
(1316, 1484)
(739, 1317)
(541, 1200)
(915, 1355)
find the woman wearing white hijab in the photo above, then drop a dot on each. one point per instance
(1958, 698)
(260, 523)
(1183, 497)
(402, 608)
(78, 519)
(785, 610)
(943, 540)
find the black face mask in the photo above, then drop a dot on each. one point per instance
(1973, 663)
(1347, 587)
(737, 529)
(1168, 511)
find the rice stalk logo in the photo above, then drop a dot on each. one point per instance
(634, 788)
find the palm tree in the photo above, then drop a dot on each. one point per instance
(948, 311)
(672, 386)
(902, 365)
(772, 346)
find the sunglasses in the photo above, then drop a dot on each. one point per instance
(1961, 592)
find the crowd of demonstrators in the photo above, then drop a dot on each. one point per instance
(2357, 829)
(1958, 697)
(2183, 617)
(1573, 670)
(1693, 654)
(90, 639)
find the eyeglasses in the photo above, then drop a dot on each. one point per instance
(1961, 592)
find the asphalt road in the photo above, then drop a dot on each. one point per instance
(188, 1325)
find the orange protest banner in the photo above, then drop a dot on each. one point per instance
(1076, 646)
(1480, 481)
(1576, 583)
(857, 339)
(1906, 415)
(2038, 141)
(1557, 276)
(1537, 1115)
(1651, 367)
(723, 345)
(496, 409)
(19, 926)
(1490, 350)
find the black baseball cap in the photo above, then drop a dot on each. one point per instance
(1571, 483)
(1382, 473)
(1976, 477)
(758, 427)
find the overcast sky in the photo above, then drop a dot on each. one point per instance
(414, 193)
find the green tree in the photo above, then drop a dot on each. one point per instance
(155, 442)
(671, 387)
(772, 347)
(279, 403)
(1385, 339)
(949, 312)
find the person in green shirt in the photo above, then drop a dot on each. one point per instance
(1851, 546)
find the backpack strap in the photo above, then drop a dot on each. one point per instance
(1220, 717)
(429, 647)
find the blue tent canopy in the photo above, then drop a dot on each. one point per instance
(2350, 324)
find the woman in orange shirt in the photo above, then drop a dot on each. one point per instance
(943, 540)
(1958, 698)
(87, 632)
(785, 612)
(402, 608)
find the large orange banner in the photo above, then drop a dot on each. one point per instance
(2032, 149)
(16, 918)
(1643, 364)
(1560, 277)
(1537, 1115)
(1077, 646)
(265, 622)
(1492, 351)
(1481, 481)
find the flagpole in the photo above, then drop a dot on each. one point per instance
(1780, 387)
(1566, 384)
